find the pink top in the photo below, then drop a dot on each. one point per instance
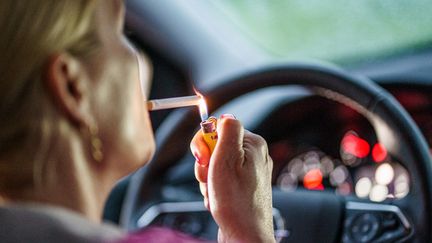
(160, 235)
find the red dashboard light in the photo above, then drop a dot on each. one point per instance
(313, 180)
(379, 153)
(354, 145)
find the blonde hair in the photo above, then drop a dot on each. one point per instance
(30, 32)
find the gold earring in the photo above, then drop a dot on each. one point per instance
(96, 144)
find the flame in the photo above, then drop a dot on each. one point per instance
(203, 109)
(202, 106)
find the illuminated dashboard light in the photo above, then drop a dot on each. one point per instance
(288, 182)
(313, 179)
(384, 174)
(401, 185)
(344, 189)
(327, 165)
(320, 187)
(354, 145)
(401, 189)
(378, 193)
(379, 153)
(296, 167)
(311, 161)
(363, 187)
(339, 175)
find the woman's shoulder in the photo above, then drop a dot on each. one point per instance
(41, 223)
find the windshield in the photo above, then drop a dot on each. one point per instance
(336, 30)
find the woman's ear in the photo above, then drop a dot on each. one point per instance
(64, 79)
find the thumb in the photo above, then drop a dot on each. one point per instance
(230, 138)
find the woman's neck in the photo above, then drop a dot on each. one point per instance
(80, 185)
(77, 184)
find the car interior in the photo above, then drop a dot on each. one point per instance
(340, 91)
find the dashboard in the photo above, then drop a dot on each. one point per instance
(318, 144)
(322, 145)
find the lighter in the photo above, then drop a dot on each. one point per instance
(208, 126)
(208, 129)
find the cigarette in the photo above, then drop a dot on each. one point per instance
(169, 103)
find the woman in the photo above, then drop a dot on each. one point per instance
(73, 123)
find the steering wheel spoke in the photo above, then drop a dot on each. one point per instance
(373, 222)
(193, 218)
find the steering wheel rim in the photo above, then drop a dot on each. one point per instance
(392, 124)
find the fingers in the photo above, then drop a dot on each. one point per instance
(201, 176)
(255, 140)
(202, 155)
(230, 133)
(201, 173)
(230, 136)
(229, 144)
(203, 189)
(255, 147)
(204, 192)
(200, 149)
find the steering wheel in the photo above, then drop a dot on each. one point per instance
(305, 216)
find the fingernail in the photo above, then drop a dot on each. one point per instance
(230, 116)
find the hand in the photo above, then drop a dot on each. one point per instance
(236, 182)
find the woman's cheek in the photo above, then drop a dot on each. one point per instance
(139, 132)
